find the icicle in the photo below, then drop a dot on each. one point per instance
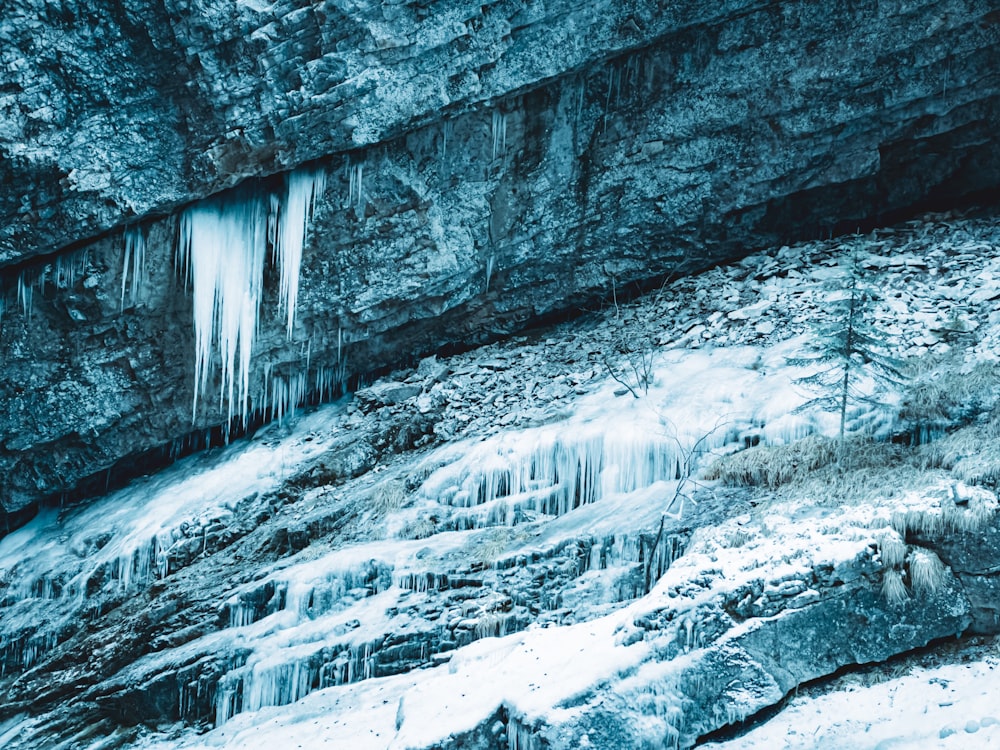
(24, 292)
(283, 394)
(66, 270)
(422, 583)
(325, 384)
(223, 244)
(226, 699)
(134, 259)
(268, 680)
(355, 177)
(310, 597)
(303, 188)
(277, 685)
(552, 471)
(499, 130)
(42, 278)
(607, 102)
(447, 130)
(520, 736)
(339, 376)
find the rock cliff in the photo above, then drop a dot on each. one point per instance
(486, 165)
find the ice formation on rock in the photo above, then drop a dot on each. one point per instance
(283, 392)
(553, 471)
(66, 563)
(222, 252)
(222, 247)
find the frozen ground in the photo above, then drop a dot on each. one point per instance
(940, 708)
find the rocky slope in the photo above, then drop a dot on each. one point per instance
(486, 165)
(512, 548)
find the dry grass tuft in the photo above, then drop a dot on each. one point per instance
(773, 466)
(981, 511)
(972, 454)
(418, 528)
(827, 469)
(892, 548)
(927, 572)
(735, 538)
(861, 453)
(972, 515)
(893, 588)
(491, 544)
(388, 496)
(982, 468)
(977, 512)
(943, 394)
(835, 486)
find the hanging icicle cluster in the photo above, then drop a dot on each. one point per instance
(554, 470)
(223, 245)
(62, 272)
(283, 392)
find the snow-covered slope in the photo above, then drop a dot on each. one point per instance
(927, 707)
(517, 547)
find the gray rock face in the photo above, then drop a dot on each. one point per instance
(976, 563)
(112, 112)
(488, 164)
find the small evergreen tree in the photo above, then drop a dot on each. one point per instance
(848, 345)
